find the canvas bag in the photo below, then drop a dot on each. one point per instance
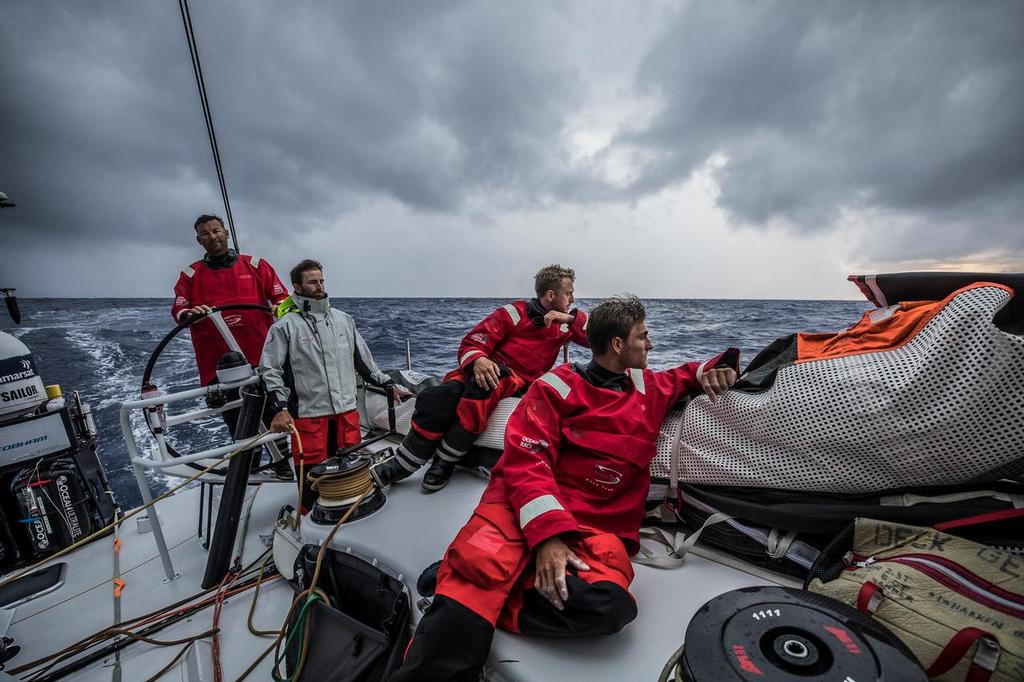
(957, 604)
(362, 633)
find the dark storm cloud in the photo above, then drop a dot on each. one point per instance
(909, 110)
(906, 112)
(316, 108)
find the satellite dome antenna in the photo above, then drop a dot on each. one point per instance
(5, 202)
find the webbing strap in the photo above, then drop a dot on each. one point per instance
(673, 466)
(678, 544)
(909, 500)
(869, 598)
(979, 519)
(778, 543)
(985, 659)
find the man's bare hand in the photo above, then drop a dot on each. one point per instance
(200, 311)
(282, 422)
(717, 381)
(486, 373)
(399, 393)
(557, 317)
(552, 557)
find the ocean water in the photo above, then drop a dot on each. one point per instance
(100, 347)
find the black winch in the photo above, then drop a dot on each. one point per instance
(339, 482)
(775, 634)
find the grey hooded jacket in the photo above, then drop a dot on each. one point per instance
(310, 360)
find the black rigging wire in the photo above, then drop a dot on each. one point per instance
(197, 69)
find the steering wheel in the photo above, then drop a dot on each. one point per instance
(155, 355)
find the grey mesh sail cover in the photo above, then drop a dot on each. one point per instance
(944, 408)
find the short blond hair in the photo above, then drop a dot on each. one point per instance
(550, 278)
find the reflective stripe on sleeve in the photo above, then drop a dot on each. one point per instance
(467, 355)
(556, 382)
(512, 312)
(537, 506)
(700, 368)
(255, 260)
(188, 271)
(637, 375)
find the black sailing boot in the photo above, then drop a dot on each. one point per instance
(438, 475)
(450, 451)
(283, 469)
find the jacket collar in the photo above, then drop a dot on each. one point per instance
(536, 312)
(225, 261)
(311, 305)
(600, 377)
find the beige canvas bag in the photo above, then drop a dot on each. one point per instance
(957, 604)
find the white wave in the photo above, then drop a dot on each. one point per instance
(18, 332)
(113, 368)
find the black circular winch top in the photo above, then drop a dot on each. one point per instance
(775, 634)
(346, 465)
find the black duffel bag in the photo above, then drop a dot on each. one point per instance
(817, 515)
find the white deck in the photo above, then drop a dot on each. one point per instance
(84, 604)
(409, 533)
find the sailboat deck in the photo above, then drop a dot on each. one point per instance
(409, 533)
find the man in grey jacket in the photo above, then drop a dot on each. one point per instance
(309, 365)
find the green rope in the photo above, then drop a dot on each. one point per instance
(297, 629)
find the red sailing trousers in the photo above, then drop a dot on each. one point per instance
(322, 435)
(486, 580)
(488, 566)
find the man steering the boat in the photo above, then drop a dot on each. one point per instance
(500, 357)
(309, 365)
(546, 551)
(225, 277)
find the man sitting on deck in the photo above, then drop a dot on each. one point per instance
(546, 551)
(499, 358)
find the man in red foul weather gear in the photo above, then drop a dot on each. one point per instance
(225, 277)
(499, 358)
(546, 551)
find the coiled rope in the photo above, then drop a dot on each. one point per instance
(342, 487)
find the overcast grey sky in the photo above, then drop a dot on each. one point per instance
(672, 149)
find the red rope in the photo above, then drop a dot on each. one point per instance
(218, 605)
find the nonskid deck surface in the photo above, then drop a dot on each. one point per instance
(414, 528)
(410, 532)
(84, 604)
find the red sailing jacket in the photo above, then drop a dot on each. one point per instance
(577, 455)
(249, 280)
(510, 336)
